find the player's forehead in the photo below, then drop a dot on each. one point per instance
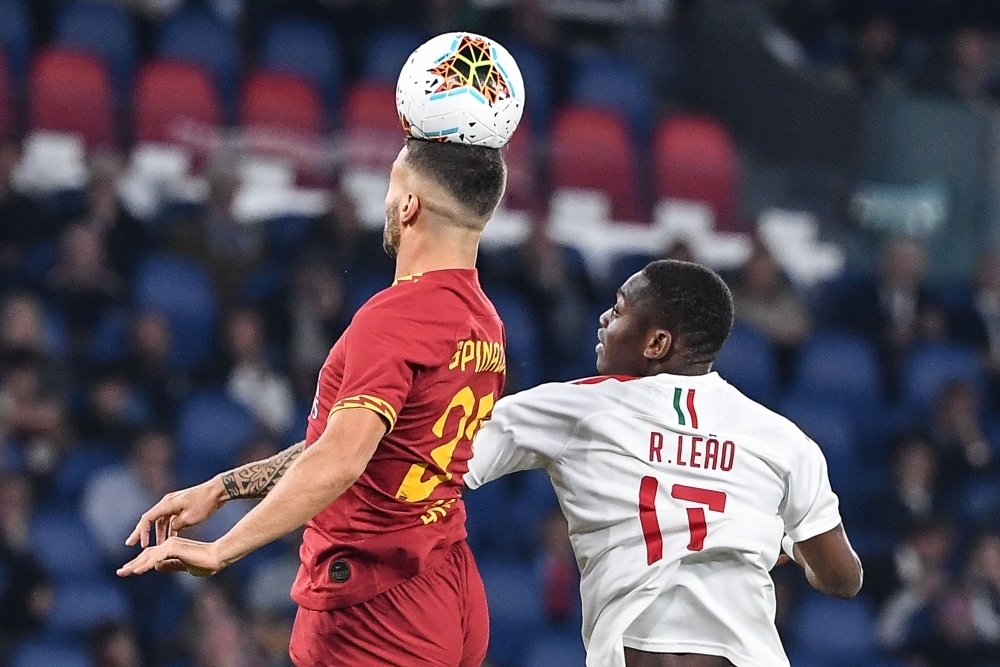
(633, 288)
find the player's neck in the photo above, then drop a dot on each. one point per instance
(457, 249)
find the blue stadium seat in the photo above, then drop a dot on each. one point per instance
(616, 83)
(537, 81)
(980, 501)
(79, 608)
(747, 362)
(504, 515)
(211, 429)
(109, 339)
(15, 36)
(840, 367)
(56, 334)
(516, 614)
(623, 268)
(932, 367)
(387, 52)
(75, 470)
(524, 352)
(179, 290)
(556, 651)
(834, 631)
(100, 28)
(50, 654)
(285, 236)
(307, 49)
(65, 549)
(199, 37)
(829, 425)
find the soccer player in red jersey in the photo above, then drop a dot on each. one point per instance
(386, 576)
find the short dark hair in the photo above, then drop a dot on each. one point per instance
(693, 303)
(475, 175)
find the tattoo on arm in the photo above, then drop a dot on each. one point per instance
(255, 480)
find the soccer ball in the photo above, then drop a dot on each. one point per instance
(463, 88)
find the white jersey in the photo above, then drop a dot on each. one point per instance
(677, 491)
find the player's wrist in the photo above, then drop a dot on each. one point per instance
(219, 491)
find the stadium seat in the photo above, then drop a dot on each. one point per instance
(80, 608)
(592, 149)
(70, 91)
(695, 159)
(387, 51)
(524, 351)
(6, 100)
(179, 290)
(100, 29)
(835, 631)
(515, 610)
(616, 83)
(747, 362)
(537, 77)
(307, 49)
(45, 654)
(15, 36)
(556, 651)
(63, 545)
(169, 95)
(371, 125)
(931, 367)
(829, 425)
(75, 470)
(211, 428)
(840, 367)
(281, 103)
(198, 37)
(504, 515)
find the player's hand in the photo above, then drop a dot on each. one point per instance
(176, 554)
(177, 511)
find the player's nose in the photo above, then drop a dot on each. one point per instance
(605, 318)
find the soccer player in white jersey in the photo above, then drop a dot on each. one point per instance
(680, 492)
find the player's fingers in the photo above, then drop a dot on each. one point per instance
(170, 565)
(161, 529)
(139, 564)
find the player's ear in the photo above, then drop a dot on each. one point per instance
(659, 344)
(409, 207)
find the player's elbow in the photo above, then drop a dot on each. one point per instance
(846, 584)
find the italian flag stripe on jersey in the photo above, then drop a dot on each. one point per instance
(685, 410)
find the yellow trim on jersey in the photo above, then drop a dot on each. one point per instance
(406, 279)
(373, 403)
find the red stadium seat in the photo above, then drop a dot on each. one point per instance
(168, 95)
(70, 91)
(372, 128)
(281, 102)
(592, 148)
(695, 159)
(6, 114)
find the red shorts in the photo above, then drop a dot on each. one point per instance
(437, 618)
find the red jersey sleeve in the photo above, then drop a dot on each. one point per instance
(384, 350)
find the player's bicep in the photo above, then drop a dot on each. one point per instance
(350, 439)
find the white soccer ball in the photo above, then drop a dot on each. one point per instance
(463, 88)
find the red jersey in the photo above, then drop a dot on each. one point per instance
(427, 354)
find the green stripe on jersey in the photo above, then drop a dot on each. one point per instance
(677, 405)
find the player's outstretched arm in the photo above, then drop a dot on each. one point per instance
(189, 507)
(831, 565)
(317, 477)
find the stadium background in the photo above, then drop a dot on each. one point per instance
(190, 204)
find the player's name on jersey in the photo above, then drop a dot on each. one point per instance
(694, 451)
(479, 356)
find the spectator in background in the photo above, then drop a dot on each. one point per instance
(958, 434)
(125, 238)
(82, 283)
(983, 578)
(25, 592)
(894, 308)
(978, 323)
(228, 250)
(560, 575)
(115, 412)
(954, 638)
(251, 378)
(115, 645)
(116, 496)
(21, 223)
(914, 496)
(31, 418)
(216, 636)
(874, 65)
(972, 57)
(765, 301)
(22, 334)
(921, 563)
(150, 369)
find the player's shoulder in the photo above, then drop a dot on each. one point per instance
(757, 419)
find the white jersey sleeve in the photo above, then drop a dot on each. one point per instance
(810, 506)
(527, 430)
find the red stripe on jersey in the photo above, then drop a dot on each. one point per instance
(647, 519)
(694, 415)
(603, 378)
